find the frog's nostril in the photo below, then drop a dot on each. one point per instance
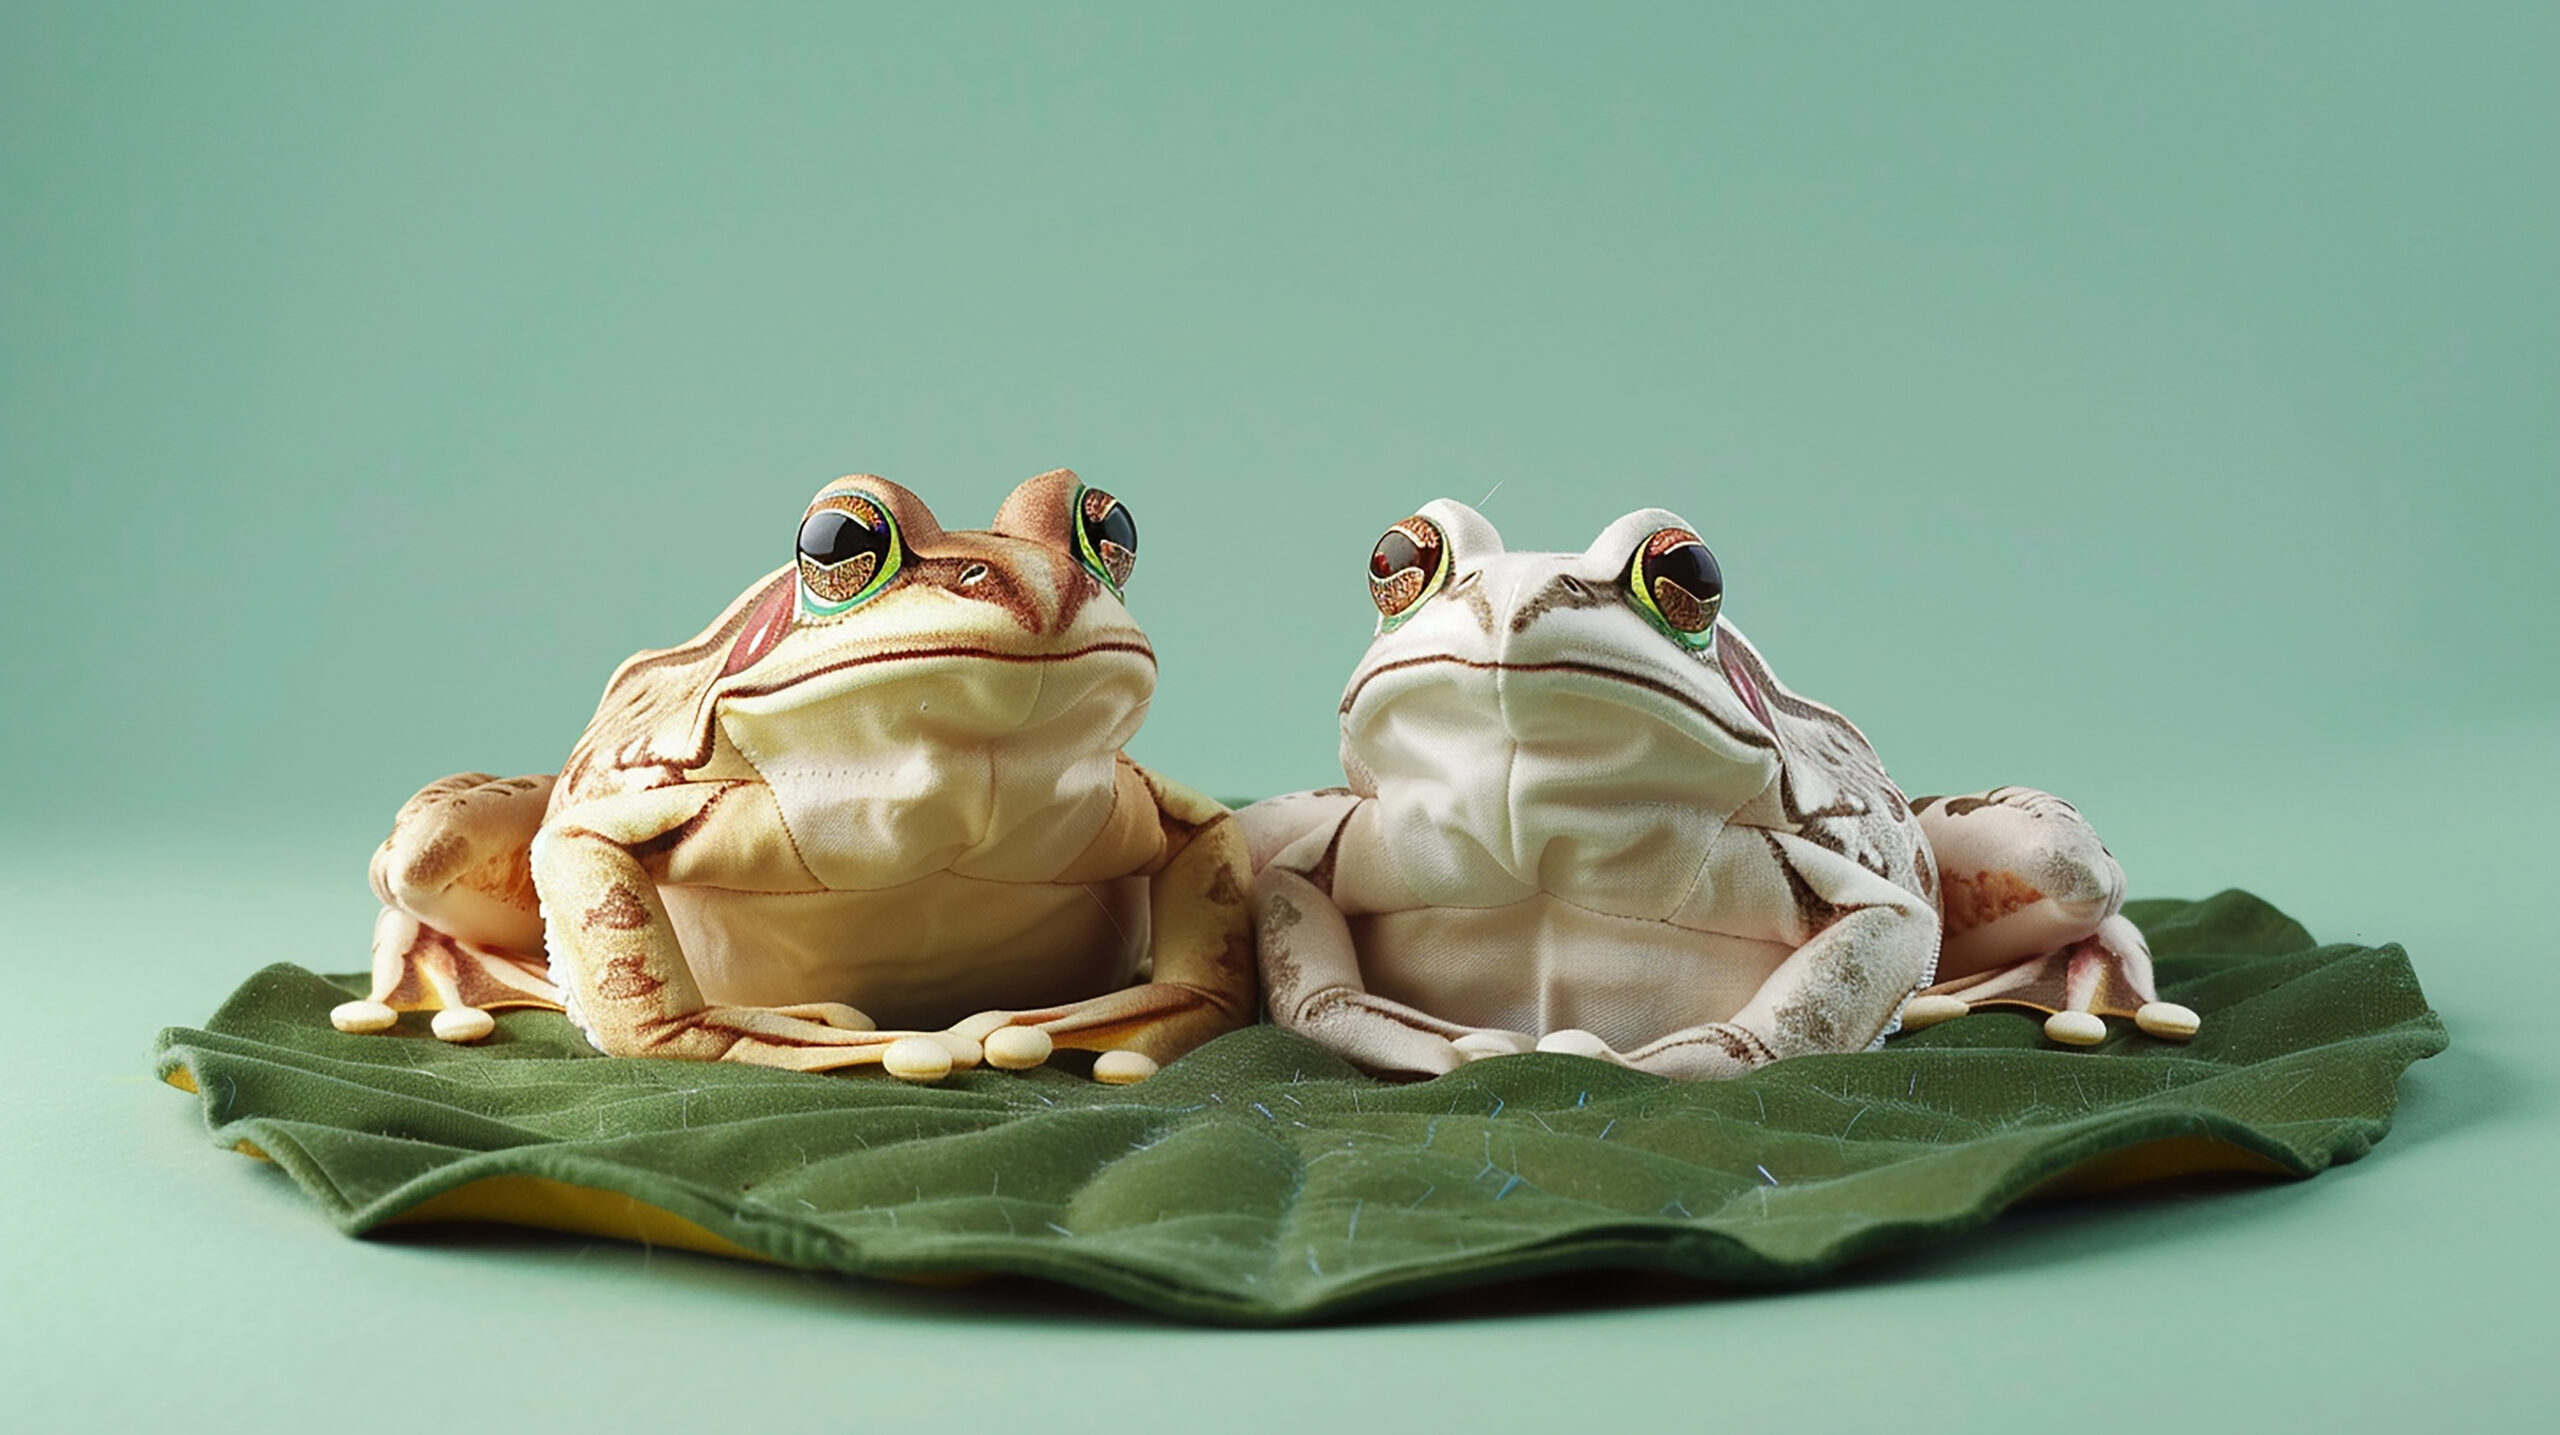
(973, 575)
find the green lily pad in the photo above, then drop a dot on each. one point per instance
(1260, 1180)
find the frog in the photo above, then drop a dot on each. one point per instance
(877, 815)
(1581, 814)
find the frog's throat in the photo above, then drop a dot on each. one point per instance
(1741, 734)
(956, 651)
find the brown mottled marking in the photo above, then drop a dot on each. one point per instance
(1320, 876)
(622, 910)
(1178, 830)
(437, 863)
(506, 875)
(2021, 798)
(1236, 954)
(1984, 898)
(1814, 911)
(627, 978)
(1471, 592)
(1812, 1024)
(1561, 591)
(1744, 1044)
(1277, 920)
(1224, 889)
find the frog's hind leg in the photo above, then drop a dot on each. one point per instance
(2031, 906)
(461, 930)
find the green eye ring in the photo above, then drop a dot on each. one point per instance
(849, 550)
(1675, 582)
(1106, 534)
(1409, 564)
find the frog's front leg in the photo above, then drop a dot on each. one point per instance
(2031, 901)
(1862, 945)
(624, 973)
(1201, 978)
(460, 933)
(1312, 981)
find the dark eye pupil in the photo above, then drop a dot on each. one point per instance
(1110, 537)
(1115, 526)
(1692, 567)
(1396, 552)
(831, 536)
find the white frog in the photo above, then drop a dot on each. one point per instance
(1582, 815)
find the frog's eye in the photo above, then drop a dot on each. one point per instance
(1106, 538)
(1408, 565)
(849, 551)
(1674, 581)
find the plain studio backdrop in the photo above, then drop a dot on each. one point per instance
(2161, 407)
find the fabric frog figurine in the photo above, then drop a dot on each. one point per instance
(883, 790)
(1583, 816)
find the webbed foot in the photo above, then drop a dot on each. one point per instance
(460, 929)
(417, 968)
(2030, 915)
(819, 1037)
(1922, 1012)
(2104, 975)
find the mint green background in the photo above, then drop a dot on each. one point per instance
(2156, 406)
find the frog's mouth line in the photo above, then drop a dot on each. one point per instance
(918, 655)
(1653, 685)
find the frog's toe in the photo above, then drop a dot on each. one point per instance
(363, 1017)
(1928, 1011)
(2075, 1028)
(2167, 1020)
(462, 1024)
(1017, 1048)
(1574, 1041)
(1477, 1045)
(1123, 1068)
(917, 1058)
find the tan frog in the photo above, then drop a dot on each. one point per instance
(1584, 816)
(876, 813)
